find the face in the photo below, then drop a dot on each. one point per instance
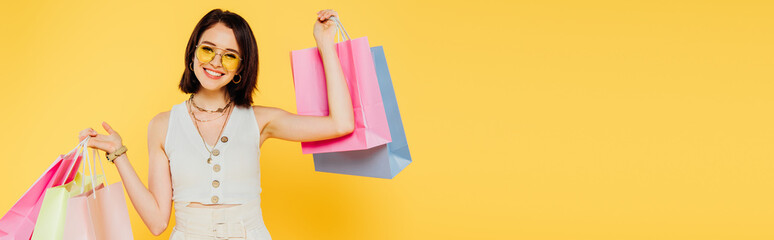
(219, 41)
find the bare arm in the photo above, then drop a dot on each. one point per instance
(340, 120)
(153, 204)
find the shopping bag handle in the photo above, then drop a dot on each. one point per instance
(89, 159)
(91, 174)
(339, 26)
(75, 159)
(77, 147)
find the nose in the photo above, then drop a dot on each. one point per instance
(215, 62)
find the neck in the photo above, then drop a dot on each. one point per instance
(211, 99)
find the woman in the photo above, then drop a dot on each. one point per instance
(204, 153)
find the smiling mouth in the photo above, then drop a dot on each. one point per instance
(212, 73)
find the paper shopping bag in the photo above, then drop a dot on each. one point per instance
(78, 224)
(51, 219)
(19, 222)
(109, 213)
(384, 161)
(311, 95)
(100, 213)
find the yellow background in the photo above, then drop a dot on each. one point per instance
(526, 120)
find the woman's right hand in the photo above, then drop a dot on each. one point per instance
(108, 143)
(324, 31)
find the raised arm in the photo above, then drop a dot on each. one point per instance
(340, 120)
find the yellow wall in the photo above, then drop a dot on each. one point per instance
(528, 120)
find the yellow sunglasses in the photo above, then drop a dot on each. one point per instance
(229, 59)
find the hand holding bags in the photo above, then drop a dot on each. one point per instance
(312, 99)
(19, 221)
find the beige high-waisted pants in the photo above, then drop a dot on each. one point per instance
(239, 222)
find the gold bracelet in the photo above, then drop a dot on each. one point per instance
(112, 156)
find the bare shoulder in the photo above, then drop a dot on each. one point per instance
(159, 121)
(265, 109)
(157, 128)
(265, 114)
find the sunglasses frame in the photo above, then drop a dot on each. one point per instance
(239, 59)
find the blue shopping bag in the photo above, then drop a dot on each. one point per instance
(383, 161)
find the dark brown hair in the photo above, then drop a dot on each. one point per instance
(242, 93)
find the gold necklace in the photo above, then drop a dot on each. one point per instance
(209, 159)
(207, 120)
(219, 110)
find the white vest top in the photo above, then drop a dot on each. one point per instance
(233, 175)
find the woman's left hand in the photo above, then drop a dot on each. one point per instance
(325, 29)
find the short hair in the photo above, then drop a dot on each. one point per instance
(242, 93)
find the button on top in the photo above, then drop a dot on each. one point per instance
(224, 139)
(215, 184)
(215, 199)
(216, 168)
(209, 161)
(215, 152)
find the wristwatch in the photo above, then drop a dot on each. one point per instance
(112, 156)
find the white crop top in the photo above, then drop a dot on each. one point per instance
(233, 175)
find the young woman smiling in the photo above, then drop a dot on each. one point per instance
(204, 152)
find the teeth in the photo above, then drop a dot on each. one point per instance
(213, 73)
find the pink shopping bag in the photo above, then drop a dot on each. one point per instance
(19, 222)
(109, 213)
(371, 127)
(100, 213)
(78, 224)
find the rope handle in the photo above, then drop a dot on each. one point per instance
(89, 159)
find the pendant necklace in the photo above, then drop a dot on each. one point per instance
(190, 110)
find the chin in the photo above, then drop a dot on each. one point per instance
(212, 84)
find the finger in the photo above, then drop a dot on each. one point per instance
(83, 136)
(103, 137)
(321, 15)
(86, 132)
(108, 128)
(101, 145)
(326, 24)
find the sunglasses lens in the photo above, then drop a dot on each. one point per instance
(205, 53)
(230, 61)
